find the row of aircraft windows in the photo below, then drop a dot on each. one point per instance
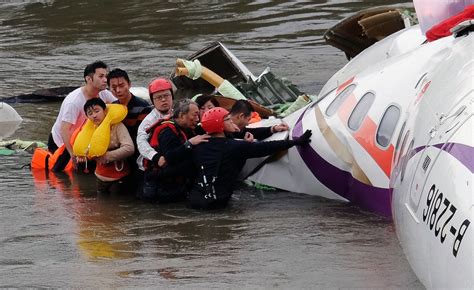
(387, 124)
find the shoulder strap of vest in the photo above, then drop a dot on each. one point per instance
(154, 141)
(154, 125)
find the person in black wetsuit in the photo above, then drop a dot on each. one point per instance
(219, 161)
(241, 113)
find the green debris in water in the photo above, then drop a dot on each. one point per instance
(6, 152)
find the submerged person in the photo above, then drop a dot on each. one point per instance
(241, 113)
(219, 161)
(173, 138)
(112, 168)
(71, 115)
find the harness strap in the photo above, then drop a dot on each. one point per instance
(156, 130)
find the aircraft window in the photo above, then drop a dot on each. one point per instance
(339, 99)
(387, 125)
(360, 111)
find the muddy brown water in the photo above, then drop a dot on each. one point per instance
(56, 232)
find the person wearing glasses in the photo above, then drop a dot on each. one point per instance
(161, 97)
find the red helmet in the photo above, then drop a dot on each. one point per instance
(212, 121)
(159, 84)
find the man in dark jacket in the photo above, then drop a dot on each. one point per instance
(173, 139)
(219, 161)
(241, 113)
(119, 84)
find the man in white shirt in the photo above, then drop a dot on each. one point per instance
(71, 114)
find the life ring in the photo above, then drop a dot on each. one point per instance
(94, 141)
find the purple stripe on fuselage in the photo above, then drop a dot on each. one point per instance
(463, 153)
(341, 182)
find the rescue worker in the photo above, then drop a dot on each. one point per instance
(71, 114)
(174, 139)
(241, 113)
(112, 168)
(161, 97)
(219, 161)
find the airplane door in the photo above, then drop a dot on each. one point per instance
(440, 134)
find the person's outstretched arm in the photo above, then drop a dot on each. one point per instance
(260, 149)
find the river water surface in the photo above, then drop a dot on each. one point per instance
(56, 232)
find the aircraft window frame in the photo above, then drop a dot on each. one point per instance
(406, 158)
(315, 102)
(382, 122)
(340, 98)
(362, 108)
(402, 147)
(399, 139)
(400, 135)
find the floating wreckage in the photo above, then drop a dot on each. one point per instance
(56, 94)
(224, 74)
(366, 27)
(10, 120)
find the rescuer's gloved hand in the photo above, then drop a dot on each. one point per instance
(303, 139)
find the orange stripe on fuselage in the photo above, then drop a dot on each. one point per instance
(346, 108)
(365, 136)
(344, 85)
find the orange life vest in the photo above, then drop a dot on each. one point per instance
(255, 117)
(155, 130)
(114, 170)
(43, 159)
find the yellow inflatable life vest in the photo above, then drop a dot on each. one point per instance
(94, 141)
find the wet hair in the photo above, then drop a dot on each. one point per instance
(90, 68)
(94, 102)
(242, 106)
(181, 107)
(202, 99)
(117, 73)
